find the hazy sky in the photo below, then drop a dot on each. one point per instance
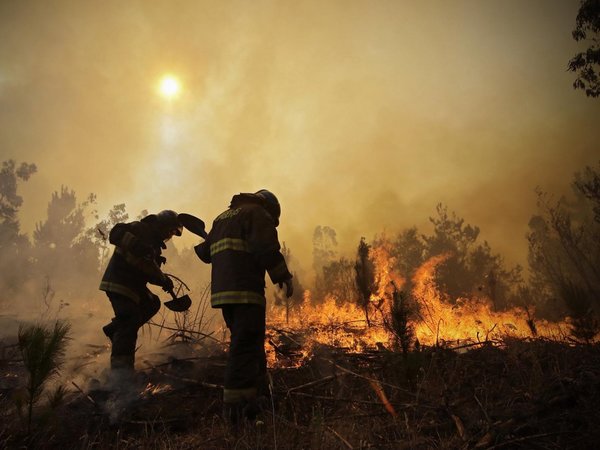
(359, 115)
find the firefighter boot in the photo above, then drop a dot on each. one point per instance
(122, 373)
(244, 413)
(233, 413)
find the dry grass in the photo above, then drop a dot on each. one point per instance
(520, 394)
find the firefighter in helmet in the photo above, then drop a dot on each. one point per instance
(241, 246)
(135, 262)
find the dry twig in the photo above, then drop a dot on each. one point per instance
(90, 399)
(186, 380)
(337, 435)
(312, 383)
(185, 331)
(343, 369)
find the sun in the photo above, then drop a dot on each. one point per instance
(169, 87)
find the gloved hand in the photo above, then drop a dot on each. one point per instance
(289, 287)
(167, 284)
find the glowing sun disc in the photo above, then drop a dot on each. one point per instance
(169, 86)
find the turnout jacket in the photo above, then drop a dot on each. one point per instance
(242, 245)
(135, 261)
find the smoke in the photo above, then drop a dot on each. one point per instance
(359, 116)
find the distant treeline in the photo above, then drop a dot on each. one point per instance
(63, 259)
(563, 260)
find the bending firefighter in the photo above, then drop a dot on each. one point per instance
(242, 245)
(135, 262)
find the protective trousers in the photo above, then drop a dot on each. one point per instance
(122, 331)
(246, 364)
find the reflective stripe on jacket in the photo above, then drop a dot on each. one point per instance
(135, 261)
(109, 286)
(241, 246)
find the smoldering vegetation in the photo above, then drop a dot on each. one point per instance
(418, 339)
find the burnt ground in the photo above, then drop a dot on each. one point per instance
(533, 394)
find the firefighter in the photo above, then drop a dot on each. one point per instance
(135, 262)
(241, 246)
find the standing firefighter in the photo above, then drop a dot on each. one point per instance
(241, 246)
(135, 262)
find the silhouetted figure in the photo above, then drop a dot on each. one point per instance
(135, 262)
(242, 245)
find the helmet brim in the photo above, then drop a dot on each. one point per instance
(193, 224)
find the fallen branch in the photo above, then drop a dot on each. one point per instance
(287, 335)
(381, 394)
(460, 428)
(84, 394)
(343, 369)
(176, 360)
(312, 383)
(473, 344)
(336, 434)
(186, 380)
(186, 331)
(487, 418)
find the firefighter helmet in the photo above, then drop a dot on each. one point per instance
(270, 203)
(168, 223)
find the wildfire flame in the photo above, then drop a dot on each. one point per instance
(343, 324)
(153, 389)
(468, 319)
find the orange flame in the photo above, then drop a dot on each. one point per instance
(153, 389)
(343, 324)
(467, 320)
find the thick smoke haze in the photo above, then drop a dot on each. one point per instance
(361, 116)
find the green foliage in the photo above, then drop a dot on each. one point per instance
(65, 221)
(402, 316)
(564, 244)
(43, 350)
(409, 250)
(64, 252)
(15, 247)
(324, 247)
(99, 233)
(338, 280)
(56, 398)
(364, 276)
(471, 267)
(452, 236)
(585, 325)
(585, 64)
(587, 182)
(10, 201)
(324, 253)
(62, 261)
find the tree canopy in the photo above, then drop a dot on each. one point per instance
(586, 63)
